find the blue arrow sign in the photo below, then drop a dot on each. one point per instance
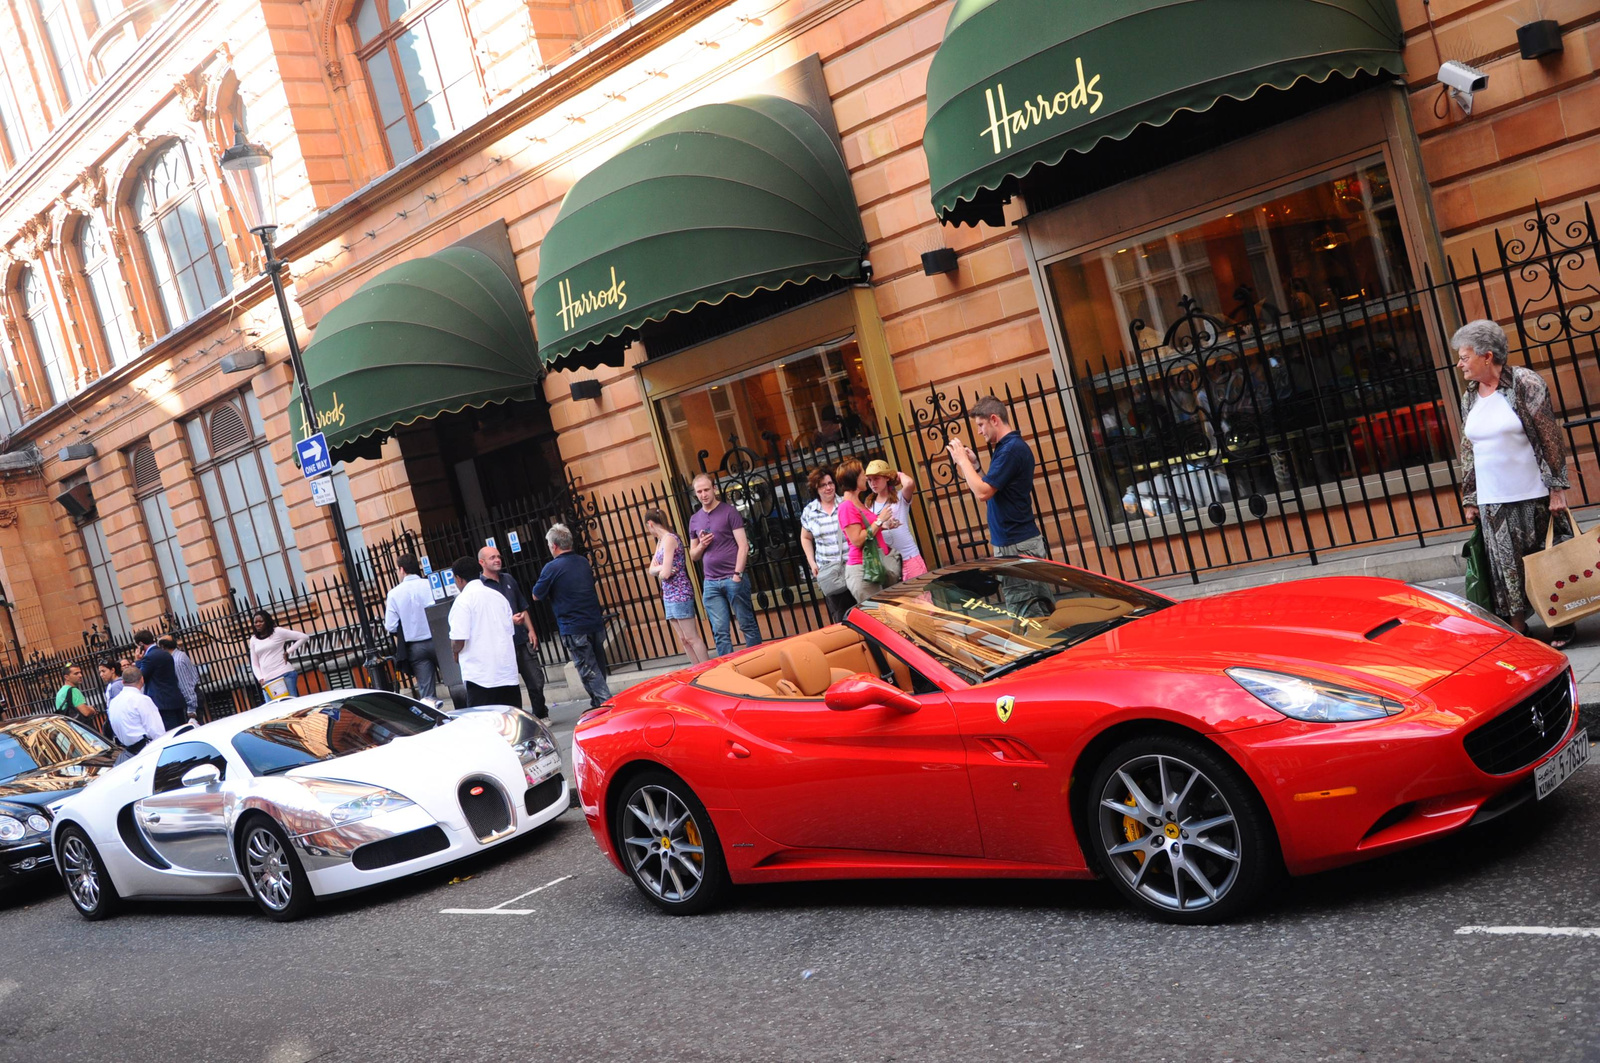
(314, 457)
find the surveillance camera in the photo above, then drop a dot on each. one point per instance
(1462, 78)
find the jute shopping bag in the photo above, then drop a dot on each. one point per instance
(1563, 579)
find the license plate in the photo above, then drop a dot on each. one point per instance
(1555, 771)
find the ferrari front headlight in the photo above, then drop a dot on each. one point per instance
(1312, 700)
(352, 802)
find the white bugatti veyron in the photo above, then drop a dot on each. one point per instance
(304, 798)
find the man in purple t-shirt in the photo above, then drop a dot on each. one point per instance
(717, 540)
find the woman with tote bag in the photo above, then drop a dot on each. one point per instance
(1513, 466)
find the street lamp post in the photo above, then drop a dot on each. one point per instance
(248, 169)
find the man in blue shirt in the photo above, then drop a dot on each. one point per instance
(1008, 485)
(567, 583)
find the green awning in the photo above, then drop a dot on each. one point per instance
(721, 201)
(434, 335)
(1020, 83)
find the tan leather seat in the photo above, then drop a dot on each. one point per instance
(805, 666)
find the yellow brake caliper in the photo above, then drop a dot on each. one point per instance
(1132, 829)
(693, 832)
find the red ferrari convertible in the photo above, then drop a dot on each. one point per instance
(1025, 718)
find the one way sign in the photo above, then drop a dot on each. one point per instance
(314, 458)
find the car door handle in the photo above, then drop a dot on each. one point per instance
(154, 819)
(738, 751)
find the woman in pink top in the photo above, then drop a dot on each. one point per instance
(269, 652)
(857, 523)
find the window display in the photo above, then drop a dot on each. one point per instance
(1259, 352)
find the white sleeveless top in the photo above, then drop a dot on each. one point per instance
(1507, 469)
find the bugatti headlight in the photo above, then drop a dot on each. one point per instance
(537, 743)
(11, 829)
(1312, 700)
(352, 802)
(1465, 606)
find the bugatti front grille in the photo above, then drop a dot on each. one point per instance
(1525, 732)
(485, 807)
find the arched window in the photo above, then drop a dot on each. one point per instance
(104, 282)
(418, 61)
(45, 331)
(180, 234)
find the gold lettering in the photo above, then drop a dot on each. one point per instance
(1003, 121)
(574, 309)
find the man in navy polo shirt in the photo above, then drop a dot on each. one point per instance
(567, 583)
(1008, 485)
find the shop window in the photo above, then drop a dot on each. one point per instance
(1258, 350)
(419, 64)
(104, 283)
(244, 499)
(44, 329)
(61, 37)
(797, 405)
(180, 234)
(162, 530)
(347, 509)
(105, 575)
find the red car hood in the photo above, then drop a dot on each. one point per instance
(1378, 629)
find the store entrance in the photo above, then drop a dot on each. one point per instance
(465, 465)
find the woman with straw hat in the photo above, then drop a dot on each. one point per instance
(891, 493)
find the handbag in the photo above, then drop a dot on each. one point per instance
(830, 577)
(1563, 579)
(874, 569)
(1478, 592)
(402, 648)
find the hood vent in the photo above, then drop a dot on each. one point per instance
(1383, 629)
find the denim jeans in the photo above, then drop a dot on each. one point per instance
(588, 656)
(723, 597)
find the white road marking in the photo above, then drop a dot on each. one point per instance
(1535, 931)
(501, 909)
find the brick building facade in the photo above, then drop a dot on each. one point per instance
(397, 132)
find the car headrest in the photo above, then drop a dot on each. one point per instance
(806, 666)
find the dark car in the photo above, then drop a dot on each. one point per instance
(43, 759)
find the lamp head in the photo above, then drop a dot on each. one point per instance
(248, 168)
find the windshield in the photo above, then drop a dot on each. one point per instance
(335, 729)
(983, 621)
(33, 744)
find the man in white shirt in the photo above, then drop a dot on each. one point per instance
(406, 614)
(135, 720)
(480, 637)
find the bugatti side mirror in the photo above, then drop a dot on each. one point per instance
(202, 775)
(868, 692)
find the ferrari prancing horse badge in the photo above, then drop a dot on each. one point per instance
(1003, 707)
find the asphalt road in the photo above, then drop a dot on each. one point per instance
(1367, 963)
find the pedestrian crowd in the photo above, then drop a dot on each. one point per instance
(147, 694)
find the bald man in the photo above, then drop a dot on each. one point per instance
(524, 639)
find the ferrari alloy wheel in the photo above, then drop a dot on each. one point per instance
(85, 875)
(669, 845)
(276, 879)
(1179, 831)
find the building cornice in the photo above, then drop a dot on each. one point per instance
(120, 379)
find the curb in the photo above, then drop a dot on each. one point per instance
(1589, 716)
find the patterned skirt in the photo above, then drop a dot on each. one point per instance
(1511, 531)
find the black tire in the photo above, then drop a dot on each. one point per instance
(1156, 857)
(663, 863)
(89, 887)
(272, 870)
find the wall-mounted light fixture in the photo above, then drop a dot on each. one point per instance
(77, 452)
(1539, 39)
(585, 389)
(939, 260)
(241, 361)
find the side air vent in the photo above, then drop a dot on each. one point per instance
(128, 830)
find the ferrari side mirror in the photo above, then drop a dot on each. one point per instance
(863, 691)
